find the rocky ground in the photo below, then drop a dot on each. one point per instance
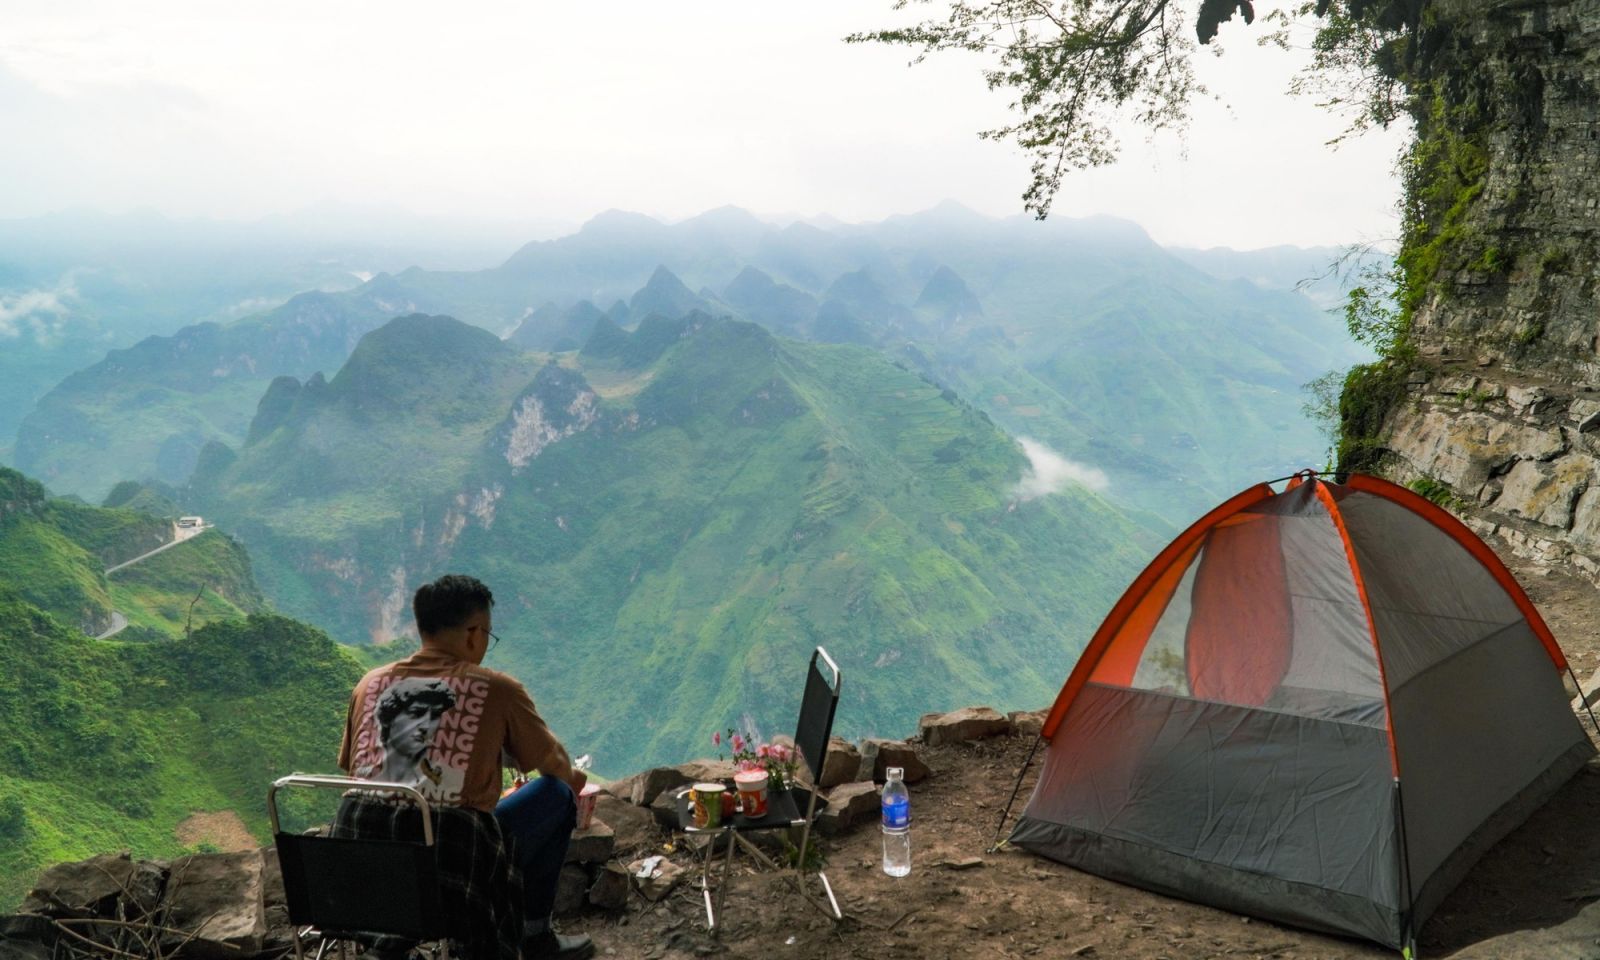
(1534, 895)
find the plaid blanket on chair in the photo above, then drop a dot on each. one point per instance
(480, 885)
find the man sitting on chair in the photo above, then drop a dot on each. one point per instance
(440, 722)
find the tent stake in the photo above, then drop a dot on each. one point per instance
(1014, 791)
(1583, 699)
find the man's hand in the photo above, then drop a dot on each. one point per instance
(576, 779)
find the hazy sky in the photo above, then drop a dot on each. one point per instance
(537, 111)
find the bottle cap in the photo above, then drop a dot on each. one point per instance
(896, 773)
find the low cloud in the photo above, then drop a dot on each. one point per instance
(1049, 472)
(43, 313)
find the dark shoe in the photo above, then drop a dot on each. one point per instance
(550, 945)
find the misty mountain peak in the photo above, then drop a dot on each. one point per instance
(612, 224)
(751, 281)
(665, 294)
(728, 226)
(415, 355)
(946, 293)
(856, 287)
(776, 305)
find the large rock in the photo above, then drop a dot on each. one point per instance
(572, 890)
(218, 898)
(877, 756)
(91, 888)
(654, 876)
(28, 937)
(1027, 723)
(849, 805)
(1463, 449)
(643, 788)
(1589, 694)
(24, 950)
(1546, 493)
(610, 888)
(665, 808)
(959, 726)
(634, 827)
(592, 845)
(840, 763)
(274, 902)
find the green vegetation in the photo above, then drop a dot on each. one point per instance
(1444, 176)
(205, 579)
(1370, 391)
(111, 744)
(692, 536)
(1438, 492)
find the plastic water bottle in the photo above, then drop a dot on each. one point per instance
(896, 824)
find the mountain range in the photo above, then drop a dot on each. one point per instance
(687, 507)
(1085, 335)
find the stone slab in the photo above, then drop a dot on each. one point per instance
(877, 756)
(572, 890)
(220, 896)
(592, 845)
(91, 888)
(849, 805)
(840, 764)
(1027, 723)
(610, 888)
(959, 726)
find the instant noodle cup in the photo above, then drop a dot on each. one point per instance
(752, 787)
(705, 801)
(586, 799)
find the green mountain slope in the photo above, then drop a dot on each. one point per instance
(672, 526)
(54, 554)
(111, 744)
(144, 413)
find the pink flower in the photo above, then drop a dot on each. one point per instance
(764, 751)
(780, 752)
(738, 743)
(716, 739)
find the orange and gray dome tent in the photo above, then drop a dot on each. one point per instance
(1318, 706)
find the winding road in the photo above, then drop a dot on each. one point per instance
(179, 535)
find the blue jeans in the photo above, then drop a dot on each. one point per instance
(539, 820)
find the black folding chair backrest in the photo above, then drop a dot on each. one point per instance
(346, 887)
(817, 706)
(361, 886)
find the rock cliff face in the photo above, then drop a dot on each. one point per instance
(1499, 414)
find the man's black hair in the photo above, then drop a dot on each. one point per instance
(448, 602)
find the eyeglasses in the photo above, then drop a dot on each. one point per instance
(493, 638)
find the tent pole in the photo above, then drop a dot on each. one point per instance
(1408, 935)
(1014, 791)
(1582, 698)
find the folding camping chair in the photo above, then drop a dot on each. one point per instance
(815, 726)
(354, 889)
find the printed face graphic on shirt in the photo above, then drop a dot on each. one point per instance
(409, 715)
(420, 731)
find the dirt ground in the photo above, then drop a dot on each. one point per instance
(223, 830)
(1014, 904)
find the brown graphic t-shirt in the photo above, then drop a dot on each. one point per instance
(445, 726)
